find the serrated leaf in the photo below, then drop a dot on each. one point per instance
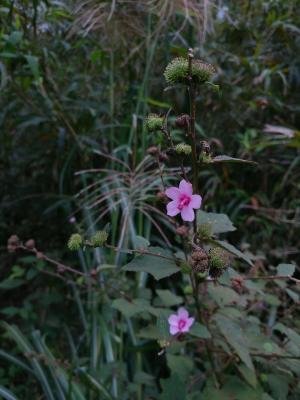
(220, 223)
(172, 388)
(158, 267)
(180, 365)
(129, 309)
(235, 337)
(223, 158)
(285, 269)
(200, 331)
(168, 298)
(223, 295)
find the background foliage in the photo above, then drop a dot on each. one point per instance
(76, 83)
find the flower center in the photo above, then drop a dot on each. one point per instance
(184, 201)
(181, 324)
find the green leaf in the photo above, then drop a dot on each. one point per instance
(233, 250)
(158, 267)
(223, 158)
(172, 388)
(9, 283)
(200, 331)
(157, 103)
(168, 298)
(223, 295)
(25, 347)
(7, 394)
(279, 385)
(162, 326)
(233, 389)
(220, 223)
(248, 374)
(33, 63)
(180, 365)
(129, 309)
(290, 333)
(285, 269)
(235, 338)
(96, 385)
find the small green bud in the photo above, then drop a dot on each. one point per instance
(99, 238)
(188, 289)
(202, 275)
(185, 267)
(205, 158)
(183, 148)
(75, 242)
(218, 258)
(163, 343)
(154, 122)
(177, 71)
(204, 231)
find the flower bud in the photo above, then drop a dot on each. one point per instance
(184, 149)
(154, 123)
(188, 289)
(163, 157)
(13, 240)
(99, 238)
(182, 230)
(237, 284)
(30, 244)
(12, 243)
(39, 255)
(182, 121)
(161, 196)
(153, 150)
(75, 242)
(204, 231)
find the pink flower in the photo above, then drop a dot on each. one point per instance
(183, 201)
(180, 322)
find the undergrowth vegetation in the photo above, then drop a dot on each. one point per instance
(106, 119)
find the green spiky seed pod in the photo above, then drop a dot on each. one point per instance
(183, 148)
(75, 242)
(177, 71)
(154, 123)
(99, 238)
(218, 258)
(204, 231)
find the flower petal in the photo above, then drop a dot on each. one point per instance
(186, 187)
(173, 193)
(182, 313)
(172, 208)
(187, 213)
(173, 319)
(196, 201)
(174, 330)
(189, 323)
